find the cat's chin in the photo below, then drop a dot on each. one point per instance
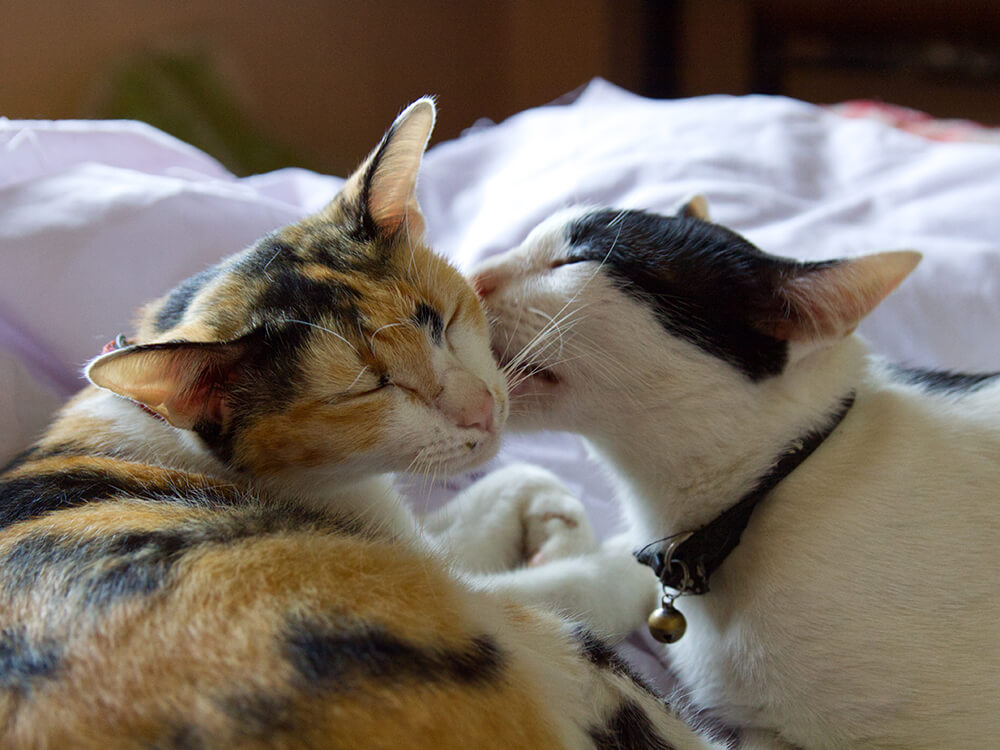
(475, 450)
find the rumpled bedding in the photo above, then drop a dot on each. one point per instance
(99, 217)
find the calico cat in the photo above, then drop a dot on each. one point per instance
(725, 389)
(204, 550)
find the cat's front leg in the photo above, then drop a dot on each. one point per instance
(518, 516)
(605, 590)
(522, 534)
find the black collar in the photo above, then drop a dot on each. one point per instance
(685, 561)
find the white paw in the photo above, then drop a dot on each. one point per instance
(515, 516)
(556, 526)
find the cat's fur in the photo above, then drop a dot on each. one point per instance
(860, 608)
(204, 551)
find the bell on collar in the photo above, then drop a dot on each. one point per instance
(667, 624)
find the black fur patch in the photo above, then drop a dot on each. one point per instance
(269, 256)
(23, 661)
(629, 728)
(425, 315)
(27, 497)
(269, 376)
(217, 440)
(37, 453)
(128, 563)
(597, 651)
(98, 569)
(293, 296)
(173, 309)
(332, 659)
(705, 283)
(943, 381)
(601, 655)
(350, 252)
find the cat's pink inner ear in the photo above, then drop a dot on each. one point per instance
(392, 200)
(181, 382)
(829, 303)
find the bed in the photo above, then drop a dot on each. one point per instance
(98, 217)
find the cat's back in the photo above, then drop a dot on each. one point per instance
(892, 532)
(973, 396)
(145, 607)
(944, 426)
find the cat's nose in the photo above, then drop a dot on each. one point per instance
(474, 408)
(478, 411)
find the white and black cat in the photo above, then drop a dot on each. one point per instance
(853, 601)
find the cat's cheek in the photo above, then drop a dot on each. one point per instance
(534, 386)
(419, 439)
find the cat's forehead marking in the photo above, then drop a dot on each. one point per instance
(703, 282)
(640, 239)
(548, 240)
(308, 271)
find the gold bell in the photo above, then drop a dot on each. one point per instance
(667, 624)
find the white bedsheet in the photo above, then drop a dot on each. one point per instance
(98, 217)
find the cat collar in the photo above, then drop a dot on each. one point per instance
(687, 560)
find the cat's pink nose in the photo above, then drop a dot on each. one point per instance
(478, 411)
(473, 409)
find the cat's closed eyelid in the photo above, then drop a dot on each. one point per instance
(564, 262)
(357, 389)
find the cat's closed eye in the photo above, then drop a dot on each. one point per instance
(366, 383)
(564, 262)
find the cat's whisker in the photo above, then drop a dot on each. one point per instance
(611, 366)
(615, 374)
(597, 270)
(371, 340)
(605, 364)
(510, 340)
(536, 340)
(322, 328)
(269, 261)
(554, 321)
(557, 328)
(357, 378)
(540, 342)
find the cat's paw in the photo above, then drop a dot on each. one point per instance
(516, 516)
(555, 526)
(605, 590)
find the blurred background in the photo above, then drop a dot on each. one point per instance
(261, 84)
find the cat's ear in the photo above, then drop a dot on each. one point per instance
(695, 207)
(383, 188)
(184, 382)
(825, 301)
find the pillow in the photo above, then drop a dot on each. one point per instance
(99, 217)
(96, 218)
